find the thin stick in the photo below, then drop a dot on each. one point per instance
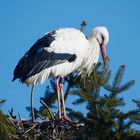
(43, 103)
(17, 128)
(30, 128)
(31, 100)
(40, 116)
(21, 122)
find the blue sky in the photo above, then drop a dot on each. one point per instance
(23, 22)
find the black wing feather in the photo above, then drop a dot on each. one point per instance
(45, 41)
(38, 58)
(30, 65)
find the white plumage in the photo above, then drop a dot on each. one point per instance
(60, 53)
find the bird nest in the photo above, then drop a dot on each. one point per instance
(51, 129)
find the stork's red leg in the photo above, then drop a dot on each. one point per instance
(59, 86)
(63, 101)
(58, 96)
(65, 117)
(62, 95)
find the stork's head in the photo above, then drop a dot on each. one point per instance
(102, 36)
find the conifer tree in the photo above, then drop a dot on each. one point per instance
(105, 120)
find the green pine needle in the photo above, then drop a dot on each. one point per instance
(118, 76)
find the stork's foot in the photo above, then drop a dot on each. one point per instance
(69, 120)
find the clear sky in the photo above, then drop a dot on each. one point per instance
(23, 22)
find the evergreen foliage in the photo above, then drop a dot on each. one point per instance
(7, 131)
(105, 120)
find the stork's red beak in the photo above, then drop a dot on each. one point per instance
(103, 51)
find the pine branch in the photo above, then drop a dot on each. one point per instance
(2, 101)
(77, 115)
(118, 77)
(49, 114)
(83, 25)
(116, 88)
(78, 101)
(87, 96)
(137, 102)
(125, 87)
(105, 68)
(107, 78)
(50, 95)
(132, 112)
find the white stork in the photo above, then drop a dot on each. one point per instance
(59, 53)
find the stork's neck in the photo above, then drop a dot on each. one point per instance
(92, 55)
(94, 47)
